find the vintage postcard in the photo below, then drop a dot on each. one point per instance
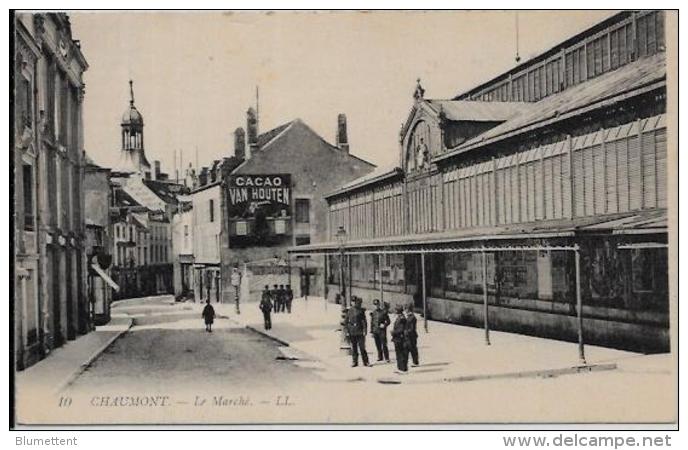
(324, 218)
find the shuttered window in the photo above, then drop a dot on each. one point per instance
(548, 193)
(556, 187)
(649, 168)
(523, 191)
(588, 180)
(634, 173)
(539, 193)
(599, 189)
(661, 147)
(502, 191)
(515, 193)
(578, 183)
(611, 180)
(622, 175)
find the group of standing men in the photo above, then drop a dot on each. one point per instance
(278, 299)
(404, 334)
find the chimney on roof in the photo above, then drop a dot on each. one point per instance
(342, 135)
(251, 131)
(203, 177)
(240, 143)
(156, 174)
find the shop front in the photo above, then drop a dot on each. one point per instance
(603, 282)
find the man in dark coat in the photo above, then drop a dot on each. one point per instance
(411, 334)
(266, 307)
(208, 315)
(379, 321)
(399, 339)
(357, 326)
(289, 297)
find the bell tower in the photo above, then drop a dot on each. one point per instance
(132, 125)
(133, 156)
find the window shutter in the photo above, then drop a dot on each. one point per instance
(506, 175)
(588, 176)
(557, 182)
(642, 35)
(479, 203)
(634, 173)
(622, 172)
(539, 188)
(549, 188)
(649, 167)
(489, 193)
(566, 182)
(515, 192)
(578, 183)
(486, 197)
(448, 206)
(523, 190)
(598, 179)
(499, 193)
(471, 207)
(611, 181)
(532, 192)
(661, 148)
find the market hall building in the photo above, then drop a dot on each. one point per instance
(534, 203)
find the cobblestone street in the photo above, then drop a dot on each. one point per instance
(167, 369)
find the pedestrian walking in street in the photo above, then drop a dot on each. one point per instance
(357, 327)
(289, 298)
(379, 321)
(208, 315)
(411, 334)
(266, 307)
(399, 339)
(275, 298)
(283, 297)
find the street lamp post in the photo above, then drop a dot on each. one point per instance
(235, 281)
(344, 344)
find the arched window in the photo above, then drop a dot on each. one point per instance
(418, 147)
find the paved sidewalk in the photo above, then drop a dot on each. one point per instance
(63, 365)
(448, 352)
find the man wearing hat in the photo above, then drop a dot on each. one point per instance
(399, 339)
(357, 326)
(266, 307)
(379, 321)
(411, 334)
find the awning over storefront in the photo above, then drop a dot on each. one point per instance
(105, 276)
(631, 223)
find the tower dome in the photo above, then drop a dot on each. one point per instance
(131, 115)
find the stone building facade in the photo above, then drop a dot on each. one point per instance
(308, 167)
(98, 201)
(50, 297)
(182, 249)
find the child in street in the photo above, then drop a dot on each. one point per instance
(208, 315)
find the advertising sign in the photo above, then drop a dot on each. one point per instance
(258, 208)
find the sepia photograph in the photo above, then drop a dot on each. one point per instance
(322, 218)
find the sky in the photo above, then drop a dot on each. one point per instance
(195, 73)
